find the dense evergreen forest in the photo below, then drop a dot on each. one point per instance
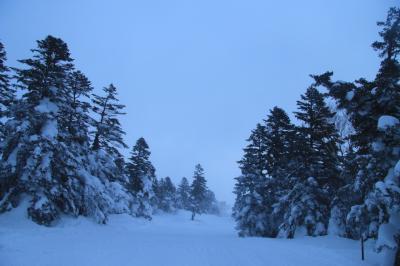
(337, 170)
(60, 147)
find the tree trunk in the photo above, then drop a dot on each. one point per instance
(362, 247)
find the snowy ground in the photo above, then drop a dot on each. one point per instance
(167, 240)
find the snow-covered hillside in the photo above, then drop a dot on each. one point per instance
(166, 240)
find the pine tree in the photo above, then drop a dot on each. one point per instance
(344, 197)
(7, 98)
(283, 156)
(76, 117)
(389, 47)
(184, 194)
(158, 189)
(166, 195)
(307, 203)
(320, 137)
(279, 143)
(47, 147)
(108, 134)
(109, 195)
(170, 194)
(374, 113)
(250, 210)
(283, 149)
(141, 174)
(305, 206)
(211, 204)
(198, 191)
(33, 148)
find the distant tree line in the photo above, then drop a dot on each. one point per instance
(338, 171)
(60, 147)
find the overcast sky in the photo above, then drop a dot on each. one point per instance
(196, 76)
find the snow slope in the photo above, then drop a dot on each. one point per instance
(166, 240)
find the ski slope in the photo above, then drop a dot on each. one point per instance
(166, 240)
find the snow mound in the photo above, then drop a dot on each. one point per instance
(387, 121)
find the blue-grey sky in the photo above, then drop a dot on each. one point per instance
(196, 76)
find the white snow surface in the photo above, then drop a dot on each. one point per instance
(169, 239)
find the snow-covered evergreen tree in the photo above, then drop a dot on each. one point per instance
(7, 99)
(47, 147)
(282, 165)
(141, 174)
(106, 191)
(7, 96)
(344, 197)
(281, 188)
(183, 194)
(320, 139)
(33, 150)
(307, 203)
(210, 202)
(373, 107)
(304, 207)
(108, 134)
(250, 210)
(198, 190)
(166, 194)
(299, 172)
(279, 139)
(75, 116)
